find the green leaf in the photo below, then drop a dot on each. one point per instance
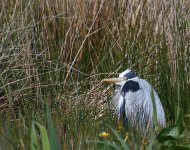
(173, 131)
(34, 142)
(187, 115)
(44, 137)
(180, 147)
(55, 144)
(10, 140)
(154, 109)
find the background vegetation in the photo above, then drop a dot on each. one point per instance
(54, 54)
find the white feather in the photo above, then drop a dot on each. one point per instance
(138, 106)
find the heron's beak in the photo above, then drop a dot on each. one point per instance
(114, 80)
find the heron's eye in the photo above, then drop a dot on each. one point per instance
(116, 87)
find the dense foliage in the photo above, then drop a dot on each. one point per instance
(54, 54)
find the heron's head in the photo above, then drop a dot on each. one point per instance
(123, 77)
(119, 83)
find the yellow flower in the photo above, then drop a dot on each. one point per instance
(104, 134)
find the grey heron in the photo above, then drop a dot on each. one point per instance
(133, 101)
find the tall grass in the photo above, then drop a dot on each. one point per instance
(58, 52)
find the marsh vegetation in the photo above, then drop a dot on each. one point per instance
(54, 54)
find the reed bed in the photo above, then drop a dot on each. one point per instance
(54, 54)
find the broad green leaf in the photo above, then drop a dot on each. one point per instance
(180, 147)
(172, 131)
(34, 145)
(44, 137)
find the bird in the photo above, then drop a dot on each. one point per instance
(134, 101)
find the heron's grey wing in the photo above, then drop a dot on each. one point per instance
(134, 100)
(138, 104)
(148, 107)
(133, 94)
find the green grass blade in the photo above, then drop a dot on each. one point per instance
(8, 93)
(178, 119)
(44, 137)
(10, 140)
(55, 144)
(34, 145)
(154, 110)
